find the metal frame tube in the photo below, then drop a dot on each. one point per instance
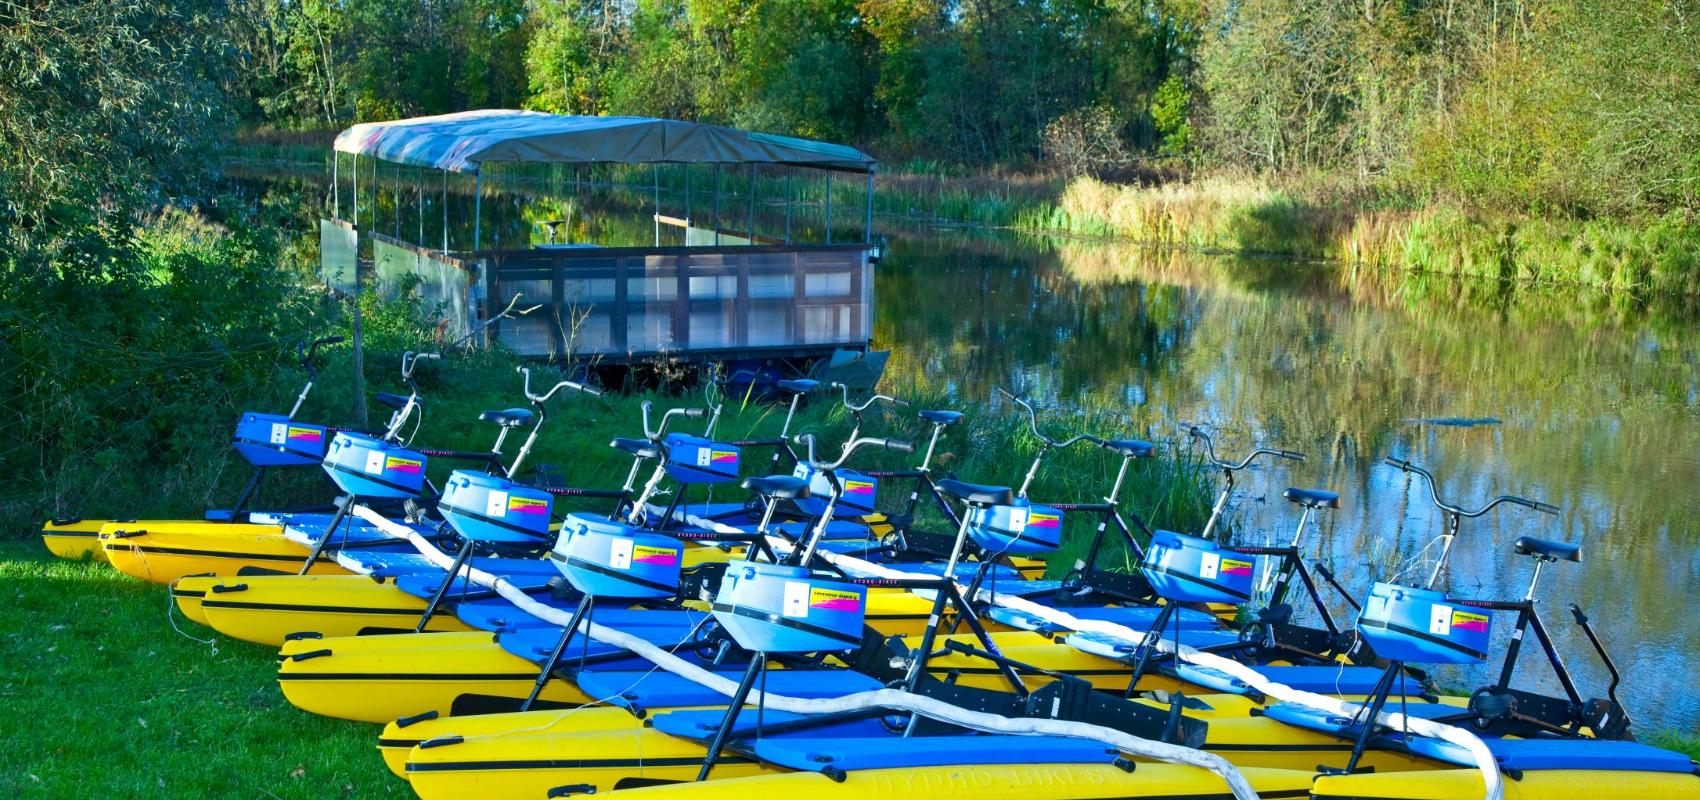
(336, 185)
(868, 224)
(829, 207)
(655, 185)
(356, 192)
(477, 209)
(752, 230)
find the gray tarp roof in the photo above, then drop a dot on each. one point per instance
(463, 141)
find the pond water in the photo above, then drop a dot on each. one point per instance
(1584, 402)
(1590, 408)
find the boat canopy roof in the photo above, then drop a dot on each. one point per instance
(464, 141)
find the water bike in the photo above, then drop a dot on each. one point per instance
(319, 673)
(770, 610)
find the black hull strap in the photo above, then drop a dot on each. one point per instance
(1423, 635)
(503, 524)
(1194, 579)
(787, 622)
(363, 475)
(600, 569)
(277, 447)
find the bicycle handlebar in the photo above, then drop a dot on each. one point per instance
(653, 434)
(306, 350)
(1033, 424)
(845, 390)
(1434, 494)
(1197, 432)
(808, 441)
(410, 360)
(544, 398)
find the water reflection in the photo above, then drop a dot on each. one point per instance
(1597, 416)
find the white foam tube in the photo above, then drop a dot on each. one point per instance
(1485, 762)
(881, 698)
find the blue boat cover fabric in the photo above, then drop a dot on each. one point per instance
(1118, 647)
(462, 141)
(1531, 755)
(700, 724)
(836, 530)
(815, 754)
(1138, 618)
(390, 564)
(497, 614)
(1314, 719)
(425, 584)
(536, 644)
(1340, 680)
(650, 690)
(1007, 578)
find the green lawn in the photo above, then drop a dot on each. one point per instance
(99, 697)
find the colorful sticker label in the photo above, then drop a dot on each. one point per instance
(655, 556)
(305, 434)
(374, 462)
(1440, 619)
(280, 432)
(1037, 520)
(858, 487)
(834, 599)
(1232, 567)
(496, 504)
(528, 505)
(411, 466)
(709, 457)
(1466, 621)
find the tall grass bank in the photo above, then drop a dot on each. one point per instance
(1650, 254)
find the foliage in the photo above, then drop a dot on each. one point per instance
(1085, 141)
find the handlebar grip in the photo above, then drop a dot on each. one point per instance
(1291, 455)
(901, 447)
(900, 403)
(694, 413)
(587, 390)
(1397, 462)
(1545, 508)
(433, 356)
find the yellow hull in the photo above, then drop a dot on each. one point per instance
(534, 763)
(266, 609)
(398, 739)
(1448, 784)
(188, 592)
(164, 554)
(381, 678)
(627, 755)
(74, 540)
